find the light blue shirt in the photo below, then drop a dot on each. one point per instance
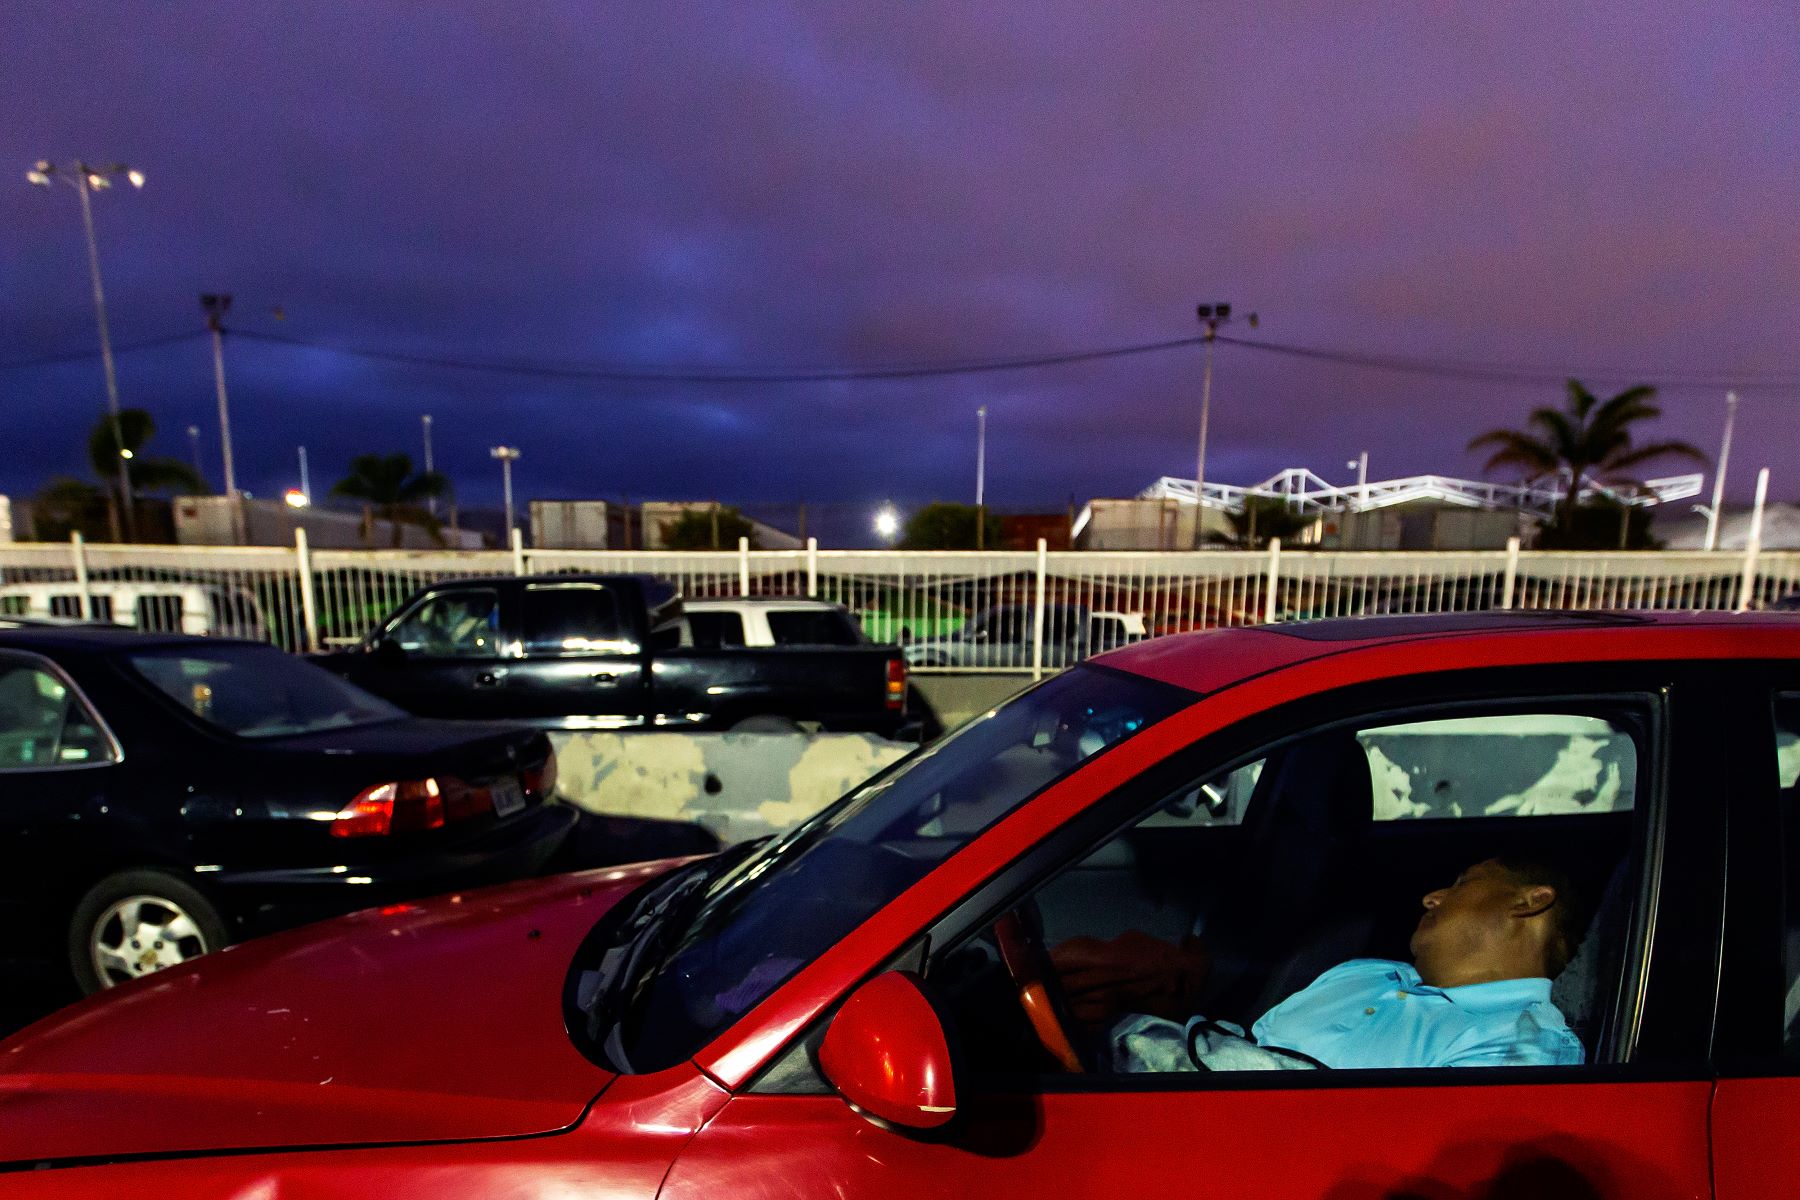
(1370, 1012)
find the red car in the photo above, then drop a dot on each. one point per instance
(862, 1007)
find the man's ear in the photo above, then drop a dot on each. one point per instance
(1534, 900)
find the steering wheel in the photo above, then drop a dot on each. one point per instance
(1020, 936)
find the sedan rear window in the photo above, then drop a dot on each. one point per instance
(257, 691)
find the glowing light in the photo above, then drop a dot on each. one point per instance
(98, 182)
(296, 498)
(887, 522)
(126, 453)
(136, 177)
(38, 178)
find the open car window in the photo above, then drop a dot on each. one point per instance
(1281, 866)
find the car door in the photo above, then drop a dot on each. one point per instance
(1632, 1126)
(57, 761)
(581, 663)
(1756, 1145)
(448, 654)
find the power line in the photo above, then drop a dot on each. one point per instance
(613, 373)
(1491, 372)
(49, 360)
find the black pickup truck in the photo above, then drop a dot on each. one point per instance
(609, 651)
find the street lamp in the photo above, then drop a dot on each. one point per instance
(887, 522)
(84, 179)
(1211, 317)
(425, 420)
(507, 456)
(215, 305)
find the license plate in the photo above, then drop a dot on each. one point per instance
(509, 797)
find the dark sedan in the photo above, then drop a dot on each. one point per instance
(166, 796)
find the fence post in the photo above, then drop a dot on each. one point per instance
(518, 549)
(309, 608)
(812, 566)
(743, 566)
(78, 552)
(1269, 600)
(1753, 543)
(1037, 611)
(1512, 573)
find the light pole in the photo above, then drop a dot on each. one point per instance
(194, 449)
(981, 478)
(1211, 317)
(215, 306)
(425, 420)
(305, 479)
(507, 456)
(1718, 496)
(1361, 463)
(84, 179)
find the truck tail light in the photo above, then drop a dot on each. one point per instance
(388, 808)
(896, 684)
(540, 781)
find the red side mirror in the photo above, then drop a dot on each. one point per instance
(886, 1054)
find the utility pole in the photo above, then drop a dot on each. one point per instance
(215, 306)
(85, 179)
(507, 456)
(1718, 495)
(430, 501)
(305, 479)
(981, 478)
(193, 432)
(1211, 317)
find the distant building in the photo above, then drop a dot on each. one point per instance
(1780, 529)
(209, 521)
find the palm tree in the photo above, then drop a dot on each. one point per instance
(1586, 436)
(389, 490)
(143, 473)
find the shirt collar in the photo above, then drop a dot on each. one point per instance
(1498, 993)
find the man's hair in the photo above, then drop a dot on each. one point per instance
(1570, 912)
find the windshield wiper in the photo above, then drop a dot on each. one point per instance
(663, 910)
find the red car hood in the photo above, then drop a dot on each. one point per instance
(416, 1022)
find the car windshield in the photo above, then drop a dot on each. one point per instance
(257, 691)
(761, 919)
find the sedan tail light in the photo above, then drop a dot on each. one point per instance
(391, 808)
(896, 684)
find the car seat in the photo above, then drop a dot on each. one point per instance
(1583, 991)
(1287, 905)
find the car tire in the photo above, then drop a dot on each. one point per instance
(765, 723)
(137, 922)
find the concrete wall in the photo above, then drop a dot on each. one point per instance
(207, 521)
(738, 785)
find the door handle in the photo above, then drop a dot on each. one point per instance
(488, 678)
(604, 677)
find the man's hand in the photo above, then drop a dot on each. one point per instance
(1133, 972)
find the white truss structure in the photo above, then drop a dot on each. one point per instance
(1307, 492)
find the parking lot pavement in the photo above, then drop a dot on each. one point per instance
(29, 991)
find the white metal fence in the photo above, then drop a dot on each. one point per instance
(1028, 603)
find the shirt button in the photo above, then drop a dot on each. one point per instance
(1369, 1012)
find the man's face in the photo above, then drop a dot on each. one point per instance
(1464, 919)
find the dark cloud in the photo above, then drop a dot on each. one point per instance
(770, 183)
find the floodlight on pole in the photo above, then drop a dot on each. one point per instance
(1718, 492)
(84, 179)
(887, 522)
(507, 456)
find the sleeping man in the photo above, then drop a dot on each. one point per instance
(1477, 993)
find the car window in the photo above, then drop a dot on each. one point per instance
(159, 613)
(1269, 876)
(774, 911)
(812, 627)
(43, 723)
(459, 623)
(716, 628)
(572, 619)
(1787, 767)
(257, 691)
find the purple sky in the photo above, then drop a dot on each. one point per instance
(752, 184)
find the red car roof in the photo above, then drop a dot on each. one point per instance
(1207, 662)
